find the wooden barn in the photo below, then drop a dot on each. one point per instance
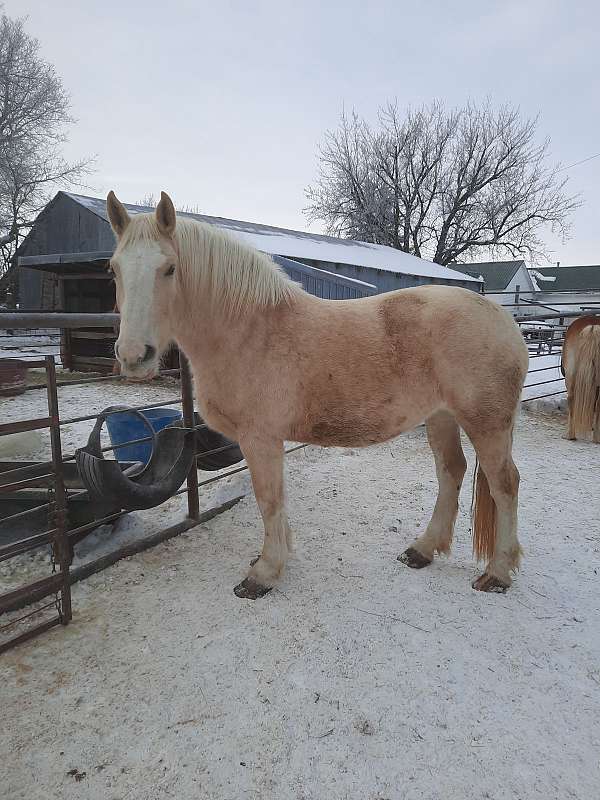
(62, 266)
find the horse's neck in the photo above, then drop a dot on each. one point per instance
(213, 338)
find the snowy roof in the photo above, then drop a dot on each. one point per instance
(300, 244)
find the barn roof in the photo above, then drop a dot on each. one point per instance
(565, 279)
(312, 246)
(496, 274)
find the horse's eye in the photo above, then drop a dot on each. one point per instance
(170, 271)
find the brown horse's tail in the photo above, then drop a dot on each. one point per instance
(484, 517)
(586, 381)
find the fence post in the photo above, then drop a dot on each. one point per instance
(187, 402)
(61, 544)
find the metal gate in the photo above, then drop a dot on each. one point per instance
(58, 584)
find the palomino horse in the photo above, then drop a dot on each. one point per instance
(272, 363)
(581, 368)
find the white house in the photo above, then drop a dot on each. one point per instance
(509, 283)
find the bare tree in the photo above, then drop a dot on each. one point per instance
(147, 201)
(150, 201)
(34, 113)
(441, 184)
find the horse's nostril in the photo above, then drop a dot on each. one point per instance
(149, 353)
(129, 355)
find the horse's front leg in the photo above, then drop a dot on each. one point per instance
(265, 461)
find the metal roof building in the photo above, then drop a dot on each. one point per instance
(73, 223)
(506, 282)
(530, 290)
(496, 275)
(567, 288)
(570, 279)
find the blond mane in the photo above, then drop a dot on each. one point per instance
(214, 264)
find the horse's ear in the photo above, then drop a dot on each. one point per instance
(117, 214)
(165, 215)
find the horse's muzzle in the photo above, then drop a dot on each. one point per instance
(138, 362)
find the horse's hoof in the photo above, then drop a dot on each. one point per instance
(250, 589)
(412, 558)
(489, 583)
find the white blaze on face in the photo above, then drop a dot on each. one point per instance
(144, 270)
(136, 276)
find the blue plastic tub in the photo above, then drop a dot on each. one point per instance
(126, 426)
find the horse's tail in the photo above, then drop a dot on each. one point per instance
(586, 381)
(484, 517)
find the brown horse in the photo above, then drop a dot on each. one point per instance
(581, 368)
(272, 363)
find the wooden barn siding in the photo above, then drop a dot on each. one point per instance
(63, 227)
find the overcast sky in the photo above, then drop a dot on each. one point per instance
(222, 104)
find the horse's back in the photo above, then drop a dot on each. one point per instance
(394, 359)
(419, 330)
(458, 322)
(479, 359)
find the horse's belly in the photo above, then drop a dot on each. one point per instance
(353, 430)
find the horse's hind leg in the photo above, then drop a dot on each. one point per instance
(571, 435)
(494, 451)
(443, 434)
(265, 461)
(596, 420)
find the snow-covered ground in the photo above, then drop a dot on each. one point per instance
(357, 678)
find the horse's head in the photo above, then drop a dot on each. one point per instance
(144, 265)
